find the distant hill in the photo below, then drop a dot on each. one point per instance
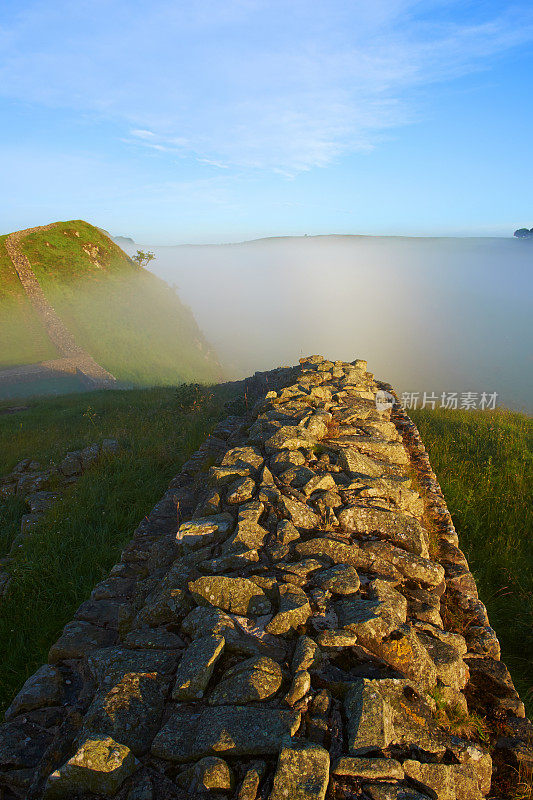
(123, 241)
(128, 320)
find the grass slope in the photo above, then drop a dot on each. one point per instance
(129, 320)
(23, 340)
(483, 461)
(86, 530)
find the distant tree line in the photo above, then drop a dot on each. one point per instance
(524, 233)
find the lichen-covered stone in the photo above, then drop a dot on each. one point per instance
(413, 713)
(439, 778)
(294, 610)
(375, 768)
(99, 766)
(342, 553)
(206, 620)
(339, 579)
(450, 667)
(163, 606)
(79, 638)
(319, 483)
(248, 536)
(241, 490)
(22, 745)
(226, 730)
(203, 531)
(307, 654)
(409, 565)
(289, 438)
(336, 638)
(301, 684)
(109, 665)
(250, 783)
(403, 651)
(299, 572)
(356, 463)
(482, 641)
(238, 595)
(369, 719)
(302, 773)
(285, 459)
(299, 513)
(208, 774)
(374, 617)
(296, 476)
(196, 667)
(403, 531)
(393, 791)
(130, 711)
(286, 532)
(243, 456)
(43, 688)
(253, 679)
(153, 639)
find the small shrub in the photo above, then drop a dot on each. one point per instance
(190, 397)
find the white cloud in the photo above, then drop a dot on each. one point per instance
(260, 84)
(142, 134)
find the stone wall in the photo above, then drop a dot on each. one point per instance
(294, 619)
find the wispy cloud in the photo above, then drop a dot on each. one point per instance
(256, 84)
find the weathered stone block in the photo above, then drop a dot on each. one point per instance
(252, 680)
(294, 610)
(302, 773)
(196, 667)
(229, 730)
(237, 595)
(369, 719)
(100, 766)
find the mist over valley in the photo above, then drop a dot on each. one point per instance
(429, 314)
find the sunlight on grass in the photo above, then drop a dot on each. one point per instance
(483, 461)
(86, 530)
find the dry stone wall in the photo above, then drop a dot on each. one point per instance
(294, 619)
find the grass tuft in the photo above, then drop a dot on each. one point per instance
(456, 721)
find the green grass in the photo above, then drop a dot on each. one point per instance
(483, 461)
(86, 530)
(129, 320)
(23, 338)
(11, 512)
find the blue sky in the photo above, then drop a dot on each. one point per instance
(224, 120)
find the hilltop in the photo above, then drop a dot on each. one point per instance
(130, 322)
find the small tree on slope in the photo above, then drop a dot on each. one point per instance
(142, 259)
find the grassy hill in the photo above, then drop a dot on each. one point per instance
(130, 321)
(23, 338)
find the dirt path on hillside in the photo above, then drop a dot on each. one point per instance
(78, 359)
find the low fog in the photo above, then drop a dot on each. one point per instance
(429, 314)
